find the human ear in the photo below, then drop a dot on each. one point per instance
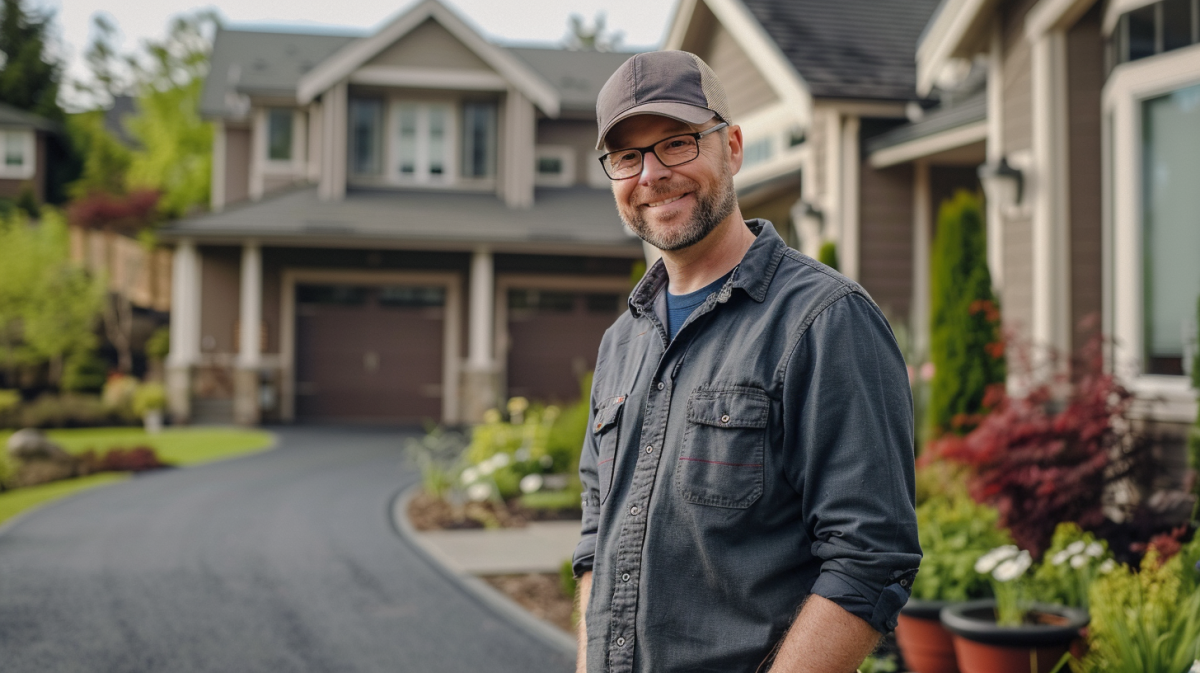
(735, 149)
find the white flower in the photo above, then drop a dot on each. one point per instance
(470, 476)
(1076, 547)
(1195, 667)
(486, 468)
(1095, 550)
(500, 460)
(1109, 566)
(522, 454)
(479, 492)
(1060, 558)
(1013, 567)
(546, 461)
(987, 562)
(1079, 561)
(531, 483)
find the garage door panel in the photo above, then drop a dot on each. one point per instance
(553, 338)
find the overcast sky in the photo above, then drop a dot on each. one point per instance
(643, 22)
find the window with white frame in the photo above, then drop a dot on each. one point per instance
(366, 136)
(1170, 228)
(424, 142)
(478, 139)
(554, 165)
(280, 133)
(18, 154)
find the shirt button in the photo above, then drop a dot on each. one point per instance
(621, 642)
(649, 449)
(634, 510)
(661, 385)
(625, 577)
(725, 418)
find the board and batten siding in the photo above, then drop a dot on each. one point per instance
(220, 280)
(578, 134)
(745, 87)
(1085, 77)
(885, 239)
(429, 45)
(237, 164)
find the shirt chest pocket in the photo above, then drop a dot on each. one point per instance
(607, 429)
(722, 460)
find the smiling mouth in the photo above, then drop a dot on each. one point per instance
(664, 202)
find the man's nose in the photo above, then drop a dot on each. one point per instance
(652, 169)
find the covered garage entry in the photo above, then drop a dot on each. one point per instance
(551, 332)
(376, 352)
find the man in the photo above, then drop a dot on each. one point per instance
(750, 448)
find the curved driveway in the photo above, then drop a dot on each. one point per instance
(281, 561)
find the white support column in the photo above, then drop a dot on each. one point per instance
(334, 112)
(833, 177)
(480, 375)
(184, 328)
(520, 128)
(850, 253)
(1051, 217)
(995, 151)
(922, 230)
(246, 407)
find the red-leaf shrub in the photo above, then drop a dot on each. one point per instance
(126, 213)
(136, 459)
(1046, 457)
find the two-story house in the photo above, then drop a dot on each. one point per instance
(406, 226)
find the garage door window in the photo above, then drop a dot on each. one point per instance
(332, 295)
(541, 300)
(411, 297)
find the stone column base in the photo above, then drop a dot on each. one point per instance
(480, 391)
(179, 393)
(246, 406)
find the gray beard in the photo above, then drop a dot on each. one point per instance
(711, 209)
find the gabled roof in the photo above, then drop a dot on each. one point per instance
(577, 75)
(11, 116)
(354, 55)
(263, 63)
(863, 49)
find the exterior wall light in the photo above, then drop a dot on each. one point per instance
(1003, 184)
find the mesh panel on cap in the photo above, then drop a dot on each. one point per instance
(714, 93)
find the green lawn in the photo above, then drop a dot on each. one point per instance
(178, 446)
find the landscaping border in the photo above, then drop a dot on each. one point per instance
(474, 587)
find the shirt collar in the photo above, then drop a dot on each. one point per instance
(753, 275)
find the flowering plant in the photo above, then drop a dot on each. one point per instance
(1075, 559)
(1006, 566)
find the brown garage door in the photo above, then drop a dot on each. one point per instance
(369, 353)
(553, 338)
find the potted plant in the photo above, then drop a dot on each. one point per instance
(954, 531)
(1011, 632)
(149, 400)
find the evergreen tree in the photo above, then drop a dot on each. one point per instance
(965, 342)
(30, 75)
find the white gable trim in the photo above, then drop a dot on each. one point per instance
(759, 46)
(944, 36)
(348, 59)
(1049, 15)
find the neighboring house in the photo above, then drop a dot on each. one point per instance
(23, 138)
(406, 226)
(1084, 118)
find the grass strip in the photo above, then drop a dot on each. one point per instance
(16, 501)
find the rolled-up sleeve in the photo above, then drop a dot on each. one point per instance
(849, 436)
(585, 550)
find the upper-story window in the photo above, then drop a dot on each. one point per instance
(554, 165)
(279, 134)
(1154, 29)
(18, 150)
(424, 142)
(411, 142)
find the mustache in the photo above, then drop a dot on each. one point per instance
(655, 193)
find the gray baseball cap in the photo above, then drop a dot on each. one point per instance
(674, 84)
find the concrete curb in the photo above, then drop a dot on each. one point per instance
(474, 587)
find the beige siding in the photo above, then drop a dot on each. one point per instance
(1085, 76)
(430, 46)
(745, 86)
(272, 301)
(885, 240)
(275, 183)
(1016, 299)
(220, 280)
(578, 134)
(1018, 80)
(237, 165)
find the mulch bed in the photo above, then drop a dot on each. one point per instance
(429, 513)
(539, 593)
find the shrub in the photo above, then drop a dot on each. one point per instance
(158, 344)
(135, 459)
(827, 255)
(149, 397)
(566, 578)
(1072, 563)
(84, 372)
(1040, 467)
(119, 390)
(966, 347)
(70, 410)
(954, 532)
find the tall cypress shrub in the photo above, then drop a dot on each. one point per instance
(966, 347)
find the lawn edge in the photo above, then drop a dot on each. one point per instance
(22, 515)
(484, 593)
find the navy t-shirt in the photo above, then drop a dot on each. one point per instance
(680, 306)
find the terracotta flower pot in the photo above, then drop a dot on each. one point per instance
(984, 647)
(927, 647)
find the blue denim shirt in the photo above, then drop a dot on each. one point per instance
(764, 454)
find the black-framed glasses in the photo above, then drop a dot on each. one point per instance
(673, 151)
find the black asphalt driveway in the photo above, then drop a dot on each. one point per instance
(281, 561)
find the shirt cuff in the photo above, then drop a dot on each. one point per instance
(585, 555)
(878, 607)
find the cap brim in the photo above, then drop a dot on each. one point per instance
(683, 112)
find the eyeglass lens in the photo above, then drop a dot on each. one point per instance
(670, 152)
